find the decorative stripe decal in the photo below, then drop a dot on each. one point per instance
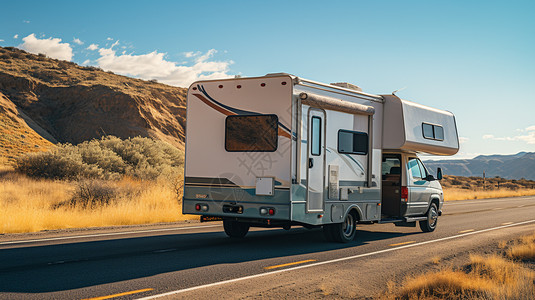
(212, 105)
(230, 111)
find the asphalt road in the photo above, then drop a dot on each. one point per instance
(199, 261)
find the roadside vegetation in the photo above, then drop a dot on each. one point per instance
(464, 188)
(97, 183)
(508, 275)
(110, 181)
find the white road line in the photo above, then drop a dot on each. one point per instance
(328, 262)
(464, 202)
(105, 234)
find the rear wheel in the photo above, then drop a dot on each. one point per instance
(430, 224)
(235, 229)
(342, 232)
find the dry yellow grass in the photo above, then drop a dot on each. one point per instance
(485, 277)
(451, 194)
(29, 205)
(523, 249)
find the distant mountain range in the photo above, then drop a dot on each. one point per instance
(516, 166)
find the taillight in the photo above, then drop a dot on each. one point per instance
(404, 194)
(267, 211)
(197, 207)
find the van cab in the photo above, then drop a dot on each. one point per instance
(410, 191)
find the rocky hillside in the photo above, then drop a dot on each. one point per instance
(16, 136)
(517, 166)
(64, 102)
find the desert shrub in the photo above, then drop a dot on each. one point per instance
(105, 158)
(62, 162)
(96, 193)
(456, 182)
(93, 193)
(510, 185)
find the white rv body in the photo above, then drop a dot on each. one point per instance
(279, 150)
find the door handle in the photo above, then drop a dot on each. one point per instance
(310, 162)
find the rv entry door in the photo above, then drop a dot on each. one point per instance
(316, 160)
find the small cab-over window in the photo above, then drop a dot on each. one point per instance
(352, 142)
(251, 133)
(433, 132)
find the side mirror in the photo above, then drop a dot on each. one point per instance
(430, 177)
(439, 173)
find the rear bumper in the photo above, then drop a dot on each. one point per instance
(248, 210)
(221, 201)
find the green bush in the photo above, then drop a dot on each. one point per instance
(106, 158)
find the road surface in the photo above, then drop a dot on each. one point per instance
(199, 261)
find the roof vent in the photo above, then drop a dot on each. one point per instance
(276, 74)
(346, 85)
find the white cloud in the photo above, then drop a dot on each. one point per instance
(93, 47)
(154, 66)
(86, 62)
(52, 47)
(463, 140)
(191, 54)
(109, 39)
(78, 41)
(26, 21)
(528, 137)
(16, 36)
(1, 40)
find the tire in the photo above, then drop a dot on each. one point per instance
(343, 232)
(430, 224)
(235, 229)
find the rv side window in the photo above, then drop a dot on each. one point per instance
(256, 133)
(433, 132)
(439, 132)
(352, 142)
(315, 143)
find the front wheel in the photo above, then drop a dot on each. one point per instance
(342, 232)
(430, 224)
(235, 229)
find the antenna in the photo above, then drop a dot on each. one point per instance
(401, 89)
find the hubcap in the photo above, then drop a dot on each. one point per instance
(349, 225)
(433, 216)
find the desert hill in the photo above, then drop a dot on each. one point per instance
(61, 101)
(516, 166)
(16, 136)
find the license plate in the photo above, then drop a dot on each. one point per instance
(210, 219)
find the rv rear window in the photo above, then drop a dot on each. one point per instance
(433, 132)
(352, 142)
(254, 133)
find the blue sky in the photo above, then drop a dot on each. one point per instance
(474, 58)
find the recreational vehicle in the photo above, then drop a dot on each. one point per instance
(282, 151)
